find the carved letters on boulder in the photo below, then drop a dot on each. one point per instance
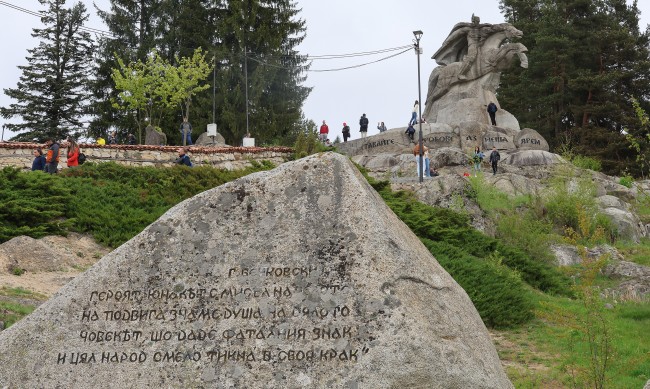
(529, 139)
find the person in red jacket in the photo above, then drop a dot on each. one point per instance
(324, 131)
(73, 153)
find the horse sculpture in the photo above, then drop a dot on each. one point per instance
(471, 59)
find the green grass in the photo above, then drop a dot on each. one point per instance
(10, 311)
(638, 253)
(21, 293)
(550, 351)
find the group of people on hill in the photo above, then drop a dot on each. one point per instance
(477, 159)
(324, 130)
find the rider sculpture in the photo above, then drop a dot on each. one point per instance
(471, 60)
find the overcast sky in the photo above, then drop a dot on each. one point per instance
(384, 91)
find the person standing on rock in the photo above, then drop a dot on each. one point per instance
(363, 125)
(346, 132)
(52, 158)
(425, 154)
(492, 111)
(414, 113)
(324, 131)
(381, 127)
(186, 132)
(494, 159)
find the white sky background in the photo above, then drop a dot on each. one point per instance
(384, 91)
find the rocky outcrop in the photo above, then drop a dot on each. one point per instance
(635, 284)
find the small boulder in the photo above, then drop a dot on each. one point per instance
(205, 140)
(154, 138)
(566, 255)
(447, 156)
(608, 201)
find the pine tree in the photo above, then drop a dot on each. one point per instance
(257, 41)
(136, 28)
(52, 94)
(588, 60)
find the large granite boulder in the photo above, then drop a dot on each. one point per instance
(298, 277)
(153, 137)
(448, 156)
(529, 139)
(626, 223)
(514, 184)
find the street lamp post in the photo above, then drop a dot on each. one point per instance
(418, 35)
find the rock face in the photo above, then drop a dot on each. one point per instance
(297, 277)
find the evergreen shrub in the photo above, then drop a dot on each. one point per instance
(497, 292)
(109, 201)
(33, 204)
(445, 225)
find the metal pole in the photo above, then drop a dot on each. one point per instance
(246, 86)
(421, 159)
(3, 133)
(214, 87)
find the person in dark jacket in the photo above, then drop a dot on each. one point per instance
(39, 160)
(410, 131)
(183, 158)
(363, 125)
(494, 159)
(346, 132)
(492, 111)
(52, 157)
